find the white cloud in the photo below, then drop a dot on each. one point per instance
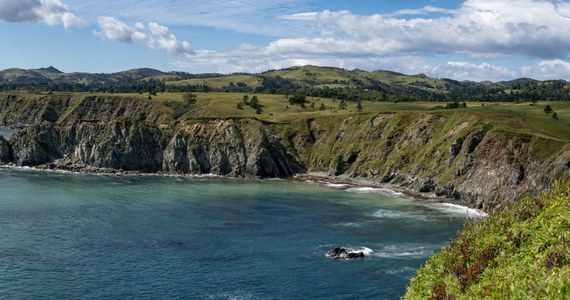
(474, 72)
(535, 28)
(549, 69)
(426, 10)
(152, 35)
(51, 12)
(244, 16)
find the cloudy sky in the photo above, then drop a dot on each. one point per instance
(471, 39)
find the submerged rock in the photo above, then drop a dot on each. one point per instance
(337, 252)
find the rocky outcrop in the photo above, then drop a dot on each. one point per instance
(469, 161)
(223, 147)
(341, 253)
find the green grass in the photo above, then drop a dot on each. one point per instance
(522, 253)
(252, 81)
(522, 118)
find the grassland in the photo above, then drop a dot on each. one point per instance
(523, 117)
(523, 253)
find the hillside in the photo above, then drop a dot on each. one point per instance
(351, 85)
(478, 156)
(522, 253)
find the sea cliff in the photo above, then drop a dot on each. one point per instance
(470, 160)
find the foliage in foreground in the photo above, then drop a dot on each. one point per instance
(523, 253)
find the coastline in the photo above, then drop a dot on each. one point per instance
(358, 185)
(366, 185)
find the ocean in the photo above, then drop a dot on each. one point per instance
(78, 236)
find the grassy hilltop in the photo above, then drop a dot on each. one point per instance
(522, 117)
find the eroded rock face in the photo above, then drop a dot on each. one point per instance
(221, 147)
(5, 151)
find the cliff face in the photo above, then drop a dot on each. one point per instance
(233, 148)
(475, 162)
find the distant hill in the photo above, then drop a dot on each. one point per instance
(330, 82)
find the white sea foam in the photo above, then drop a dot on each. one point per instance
(404, 251)
(235, 295)
(350, 224)
(389, 214)
(458, 209)
(335, 185)
(365, 250)
(373, 190)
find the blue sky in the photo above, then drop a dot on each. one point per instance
(471, 39)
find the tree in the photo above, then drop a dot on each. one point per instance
(239, 105)
(254, 102)
(548, 109)
(189, 99)
(258, 110)
(555, 116)
(342, 104)
(359, 106)
(245, 99)
(322, 107)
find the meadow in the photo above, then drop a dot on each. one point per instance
(524, 117)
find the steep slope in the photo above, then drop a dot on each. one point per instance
(473, 162)
(522, 253)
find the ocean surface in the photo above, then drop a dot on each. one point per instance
(76, 236)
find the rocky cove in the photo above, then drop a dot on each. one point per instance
(472, 161)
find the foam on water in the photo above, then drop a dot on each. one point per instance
(86, 236)
(458, 210)
(336, 185)
(350, 224)
(389, 214)
(404, 251)
(373, 190)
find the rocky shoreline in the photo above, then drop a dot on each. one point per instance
(464, 160)
(334, 182)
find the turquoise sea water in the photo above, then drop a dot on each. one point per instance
(72, 236)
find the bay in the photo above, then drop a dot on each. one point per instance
(77, 236)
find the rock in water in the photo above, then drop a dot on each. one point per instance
(353, 255)
(338, 252)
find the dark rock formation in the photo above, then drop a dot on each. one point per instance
(5, 151)
(222, 147)
(341, 253)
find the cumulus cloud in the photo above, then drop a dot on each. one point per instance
(548, 69)
(51, 12)
(151, 35)
(535, 28)
(249, 58)
(470, 71)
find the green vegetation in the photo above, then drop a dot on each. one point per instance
(519, 117)
(311, 81)
(523, 253)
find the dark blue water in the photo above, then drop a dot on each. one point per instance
(73, 236)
